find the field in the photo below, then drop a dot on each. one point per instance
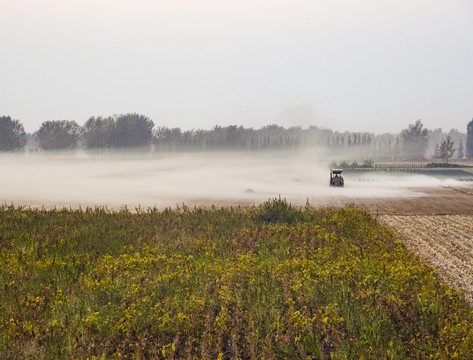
(224, 278)
(444, 241)
(421, 201)
(201, 179)
(270, 282)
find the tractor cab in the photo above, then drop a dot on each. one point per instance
(336, 178)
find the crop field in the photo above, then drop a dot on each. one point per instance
(272, 282)
(444, 241)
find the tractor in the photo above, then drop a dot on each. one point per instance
(336, 178)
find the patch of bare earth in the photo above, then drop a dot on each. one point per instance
(435, 201)
(443, 241)
(438, 226)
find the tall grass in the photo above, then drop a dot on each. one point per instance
(267, 282)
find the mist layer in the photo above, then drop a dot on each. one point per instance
(198, 179)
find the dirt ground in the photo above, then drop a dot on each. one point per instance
(437, 226)
(436, 201)
(443, 241)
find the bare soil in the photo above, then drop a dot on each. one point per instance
(437, 226)
(435, 201)
(443, 241)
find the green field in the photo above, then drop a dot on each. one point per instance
(266, 282)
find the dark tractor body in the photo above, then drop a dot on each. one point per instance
(336, 178)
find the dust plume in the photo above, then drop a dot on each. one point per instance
(201, 179)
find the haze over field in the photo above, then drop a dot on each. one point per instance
(353, 65)
(202, 179)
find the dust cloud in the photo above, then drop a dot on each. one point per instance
(195, 179)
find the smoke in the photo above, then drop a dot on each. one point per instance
(200, 179)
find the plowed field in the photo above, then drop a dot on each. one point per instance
(444, 241)
(434, 201)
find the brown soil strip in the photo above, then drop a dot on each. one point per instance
(443, 201)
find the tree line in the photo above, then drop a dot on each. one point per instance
(134, 131)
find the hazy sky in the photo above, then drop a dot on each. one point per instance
(359, 65)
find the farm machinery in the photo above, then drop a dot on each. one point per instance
(336, 178)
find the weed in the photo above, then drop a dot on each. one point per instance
(270, 281)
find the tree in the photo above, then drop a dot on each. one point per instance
(414, 140)
(461, 150)
(437, 151)
(133, 130)
(169, 139)
(58, 135)
(469, 140)
(98, 132)
(12, 134)
(446, 148)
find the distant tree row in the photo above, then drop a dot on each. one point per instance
(62, 134)
(135, 130)
(12, 134)
(121, 131)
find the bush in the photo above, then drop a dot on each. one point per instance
(279, 211)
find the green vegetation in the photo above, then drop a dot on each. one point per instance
(12, 134)
(469, 140)
(446, 149)
(118, 131)
(58, 135)
(271, 281)
(415, 140)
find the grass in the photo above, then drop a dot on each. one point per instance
(267, 282)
